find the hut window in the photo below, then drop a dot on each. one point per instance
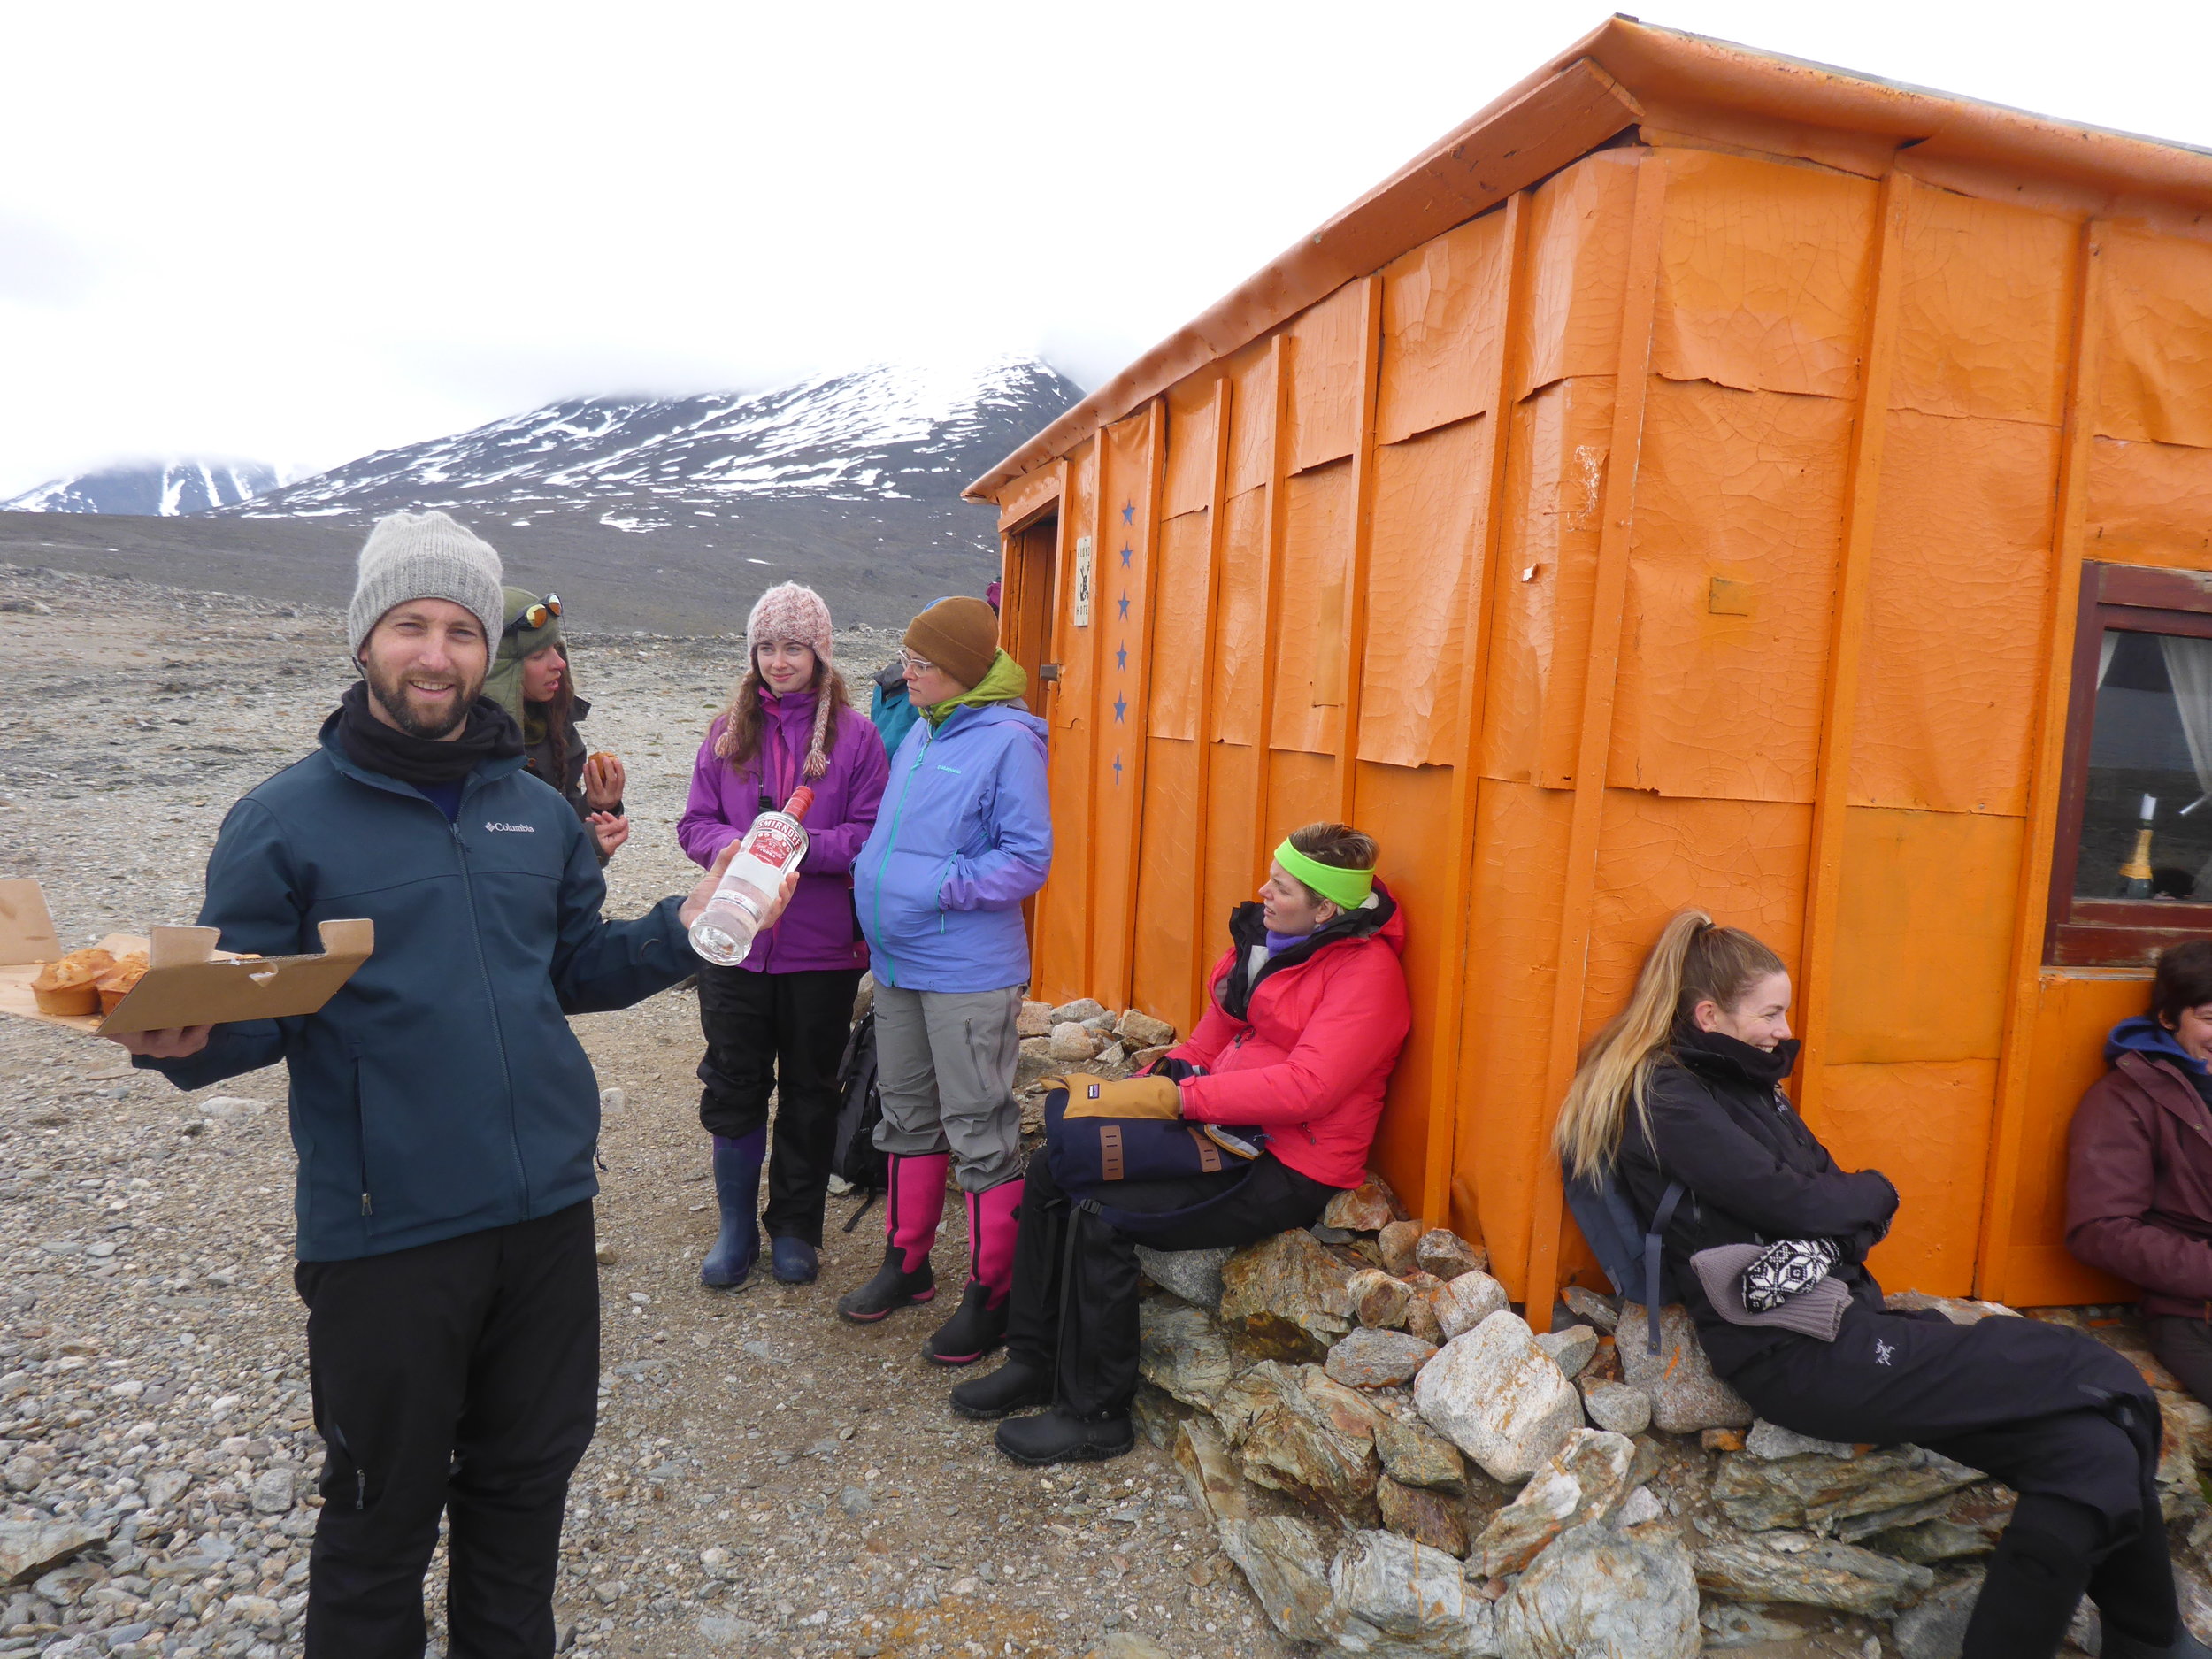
(2132, 869)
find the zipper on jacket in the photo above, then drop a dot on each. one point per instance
(890, 843)
(361, 1138)
(484, 972)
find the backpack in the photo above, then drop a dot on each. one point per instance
(1631, 1255)
(853, 1154)
(1090, 1155)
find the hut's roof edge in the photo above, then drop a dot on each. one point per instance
(1585, 95)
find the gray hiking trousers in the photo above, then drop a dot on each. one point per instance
(945, 1068)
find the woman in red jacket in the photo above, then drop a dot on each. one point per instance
(2138, 1174)
(1308, 1013)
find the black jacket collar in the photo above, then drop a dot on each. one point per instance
(1248, 931)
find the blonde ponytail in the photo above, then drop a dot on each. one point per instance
(1694, 961)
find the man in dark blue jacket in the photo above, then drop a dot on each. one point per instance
(444, 1114)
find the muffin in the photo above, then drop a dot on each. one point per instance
(116, 983)
(69, 986)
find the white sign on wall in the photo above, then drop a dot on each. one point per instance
(1083, 562)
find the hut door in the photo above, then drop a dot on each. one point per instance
(1032, 571)
(1032, 564)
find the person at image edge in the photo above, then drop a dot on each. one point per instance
(444, 1115)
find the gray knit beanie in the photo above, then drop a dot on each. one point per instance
(424, 555)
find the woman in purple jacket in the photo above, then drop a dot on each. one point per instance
(779, 1019)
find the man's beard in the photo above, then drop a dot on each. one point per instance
(391, 696)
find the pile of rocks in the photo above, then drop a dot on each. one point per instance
(1088, 1035)
(1401, 1466)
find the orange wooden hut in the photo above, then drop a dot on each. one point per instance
(1703, 477)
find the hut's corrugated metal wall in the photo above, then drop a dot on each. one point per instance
(1697, 527)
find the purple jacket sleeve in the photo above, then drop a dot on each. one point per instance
(831, 852)
(1020, 855)
(705, 828)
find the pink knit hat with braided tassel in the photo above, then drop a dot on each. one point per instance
(793, 614)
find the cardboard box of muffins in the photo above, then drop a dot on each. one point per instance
(173, 976)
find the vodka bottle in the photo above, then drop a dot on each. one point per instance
(770, 850)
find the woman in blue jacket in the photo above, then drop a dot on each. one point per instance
(964, 835)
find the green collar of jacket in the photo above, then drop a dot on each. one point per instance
(1004, 681)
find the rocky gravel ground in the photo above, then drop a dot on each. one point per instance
(766, 1480)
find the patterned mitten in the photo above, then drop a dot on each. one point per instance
(1787, 1268)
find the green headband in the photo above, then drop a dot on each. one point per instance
(1346, 889)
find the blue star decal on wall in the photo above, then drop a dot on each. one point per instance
(1121, 658)
(1125, 606)
(1126, 556)
(1116, 771)
(1121, 707)
(1128, 512)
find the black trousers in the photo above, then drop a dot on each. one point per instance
(1073, 1309)
(782, 1033)
(2184, 1347)
(2051, 1412)
(460, 1377)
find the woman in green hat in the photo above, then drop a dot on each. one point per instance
(530, 679)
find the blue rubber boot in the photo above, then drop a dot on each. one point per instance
(737, 1189)
(794, 1261)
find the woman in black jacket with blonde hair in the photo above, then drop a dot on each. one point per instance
(1766, 1245)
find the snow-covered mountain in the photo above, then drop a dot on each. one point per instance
(889, 433)
(152, 489)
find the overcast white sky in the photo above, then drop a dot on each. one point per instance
(299, 233)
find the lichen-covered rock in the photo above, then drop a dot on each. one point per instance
(1071, 1042)
(1076, 1013)
(1965, 1524)
(1194, 1275)
(1464, 1302)
(1586, 1479)
(1415, 1455)
(1425, 1517)
(1035, 1020)
(1498, 1397)
(1396, 1242)
(1810, 1571)
(1444, 1253)
(1305, 1436)
(1288, 1294)
(1570, 1349)
(1390, 1597)
(1282, 1561)
(29, 1548)
(1816, 1490)
(1686, 1397)
(1378, 1301)
(1035, 1062)
(1368, 1208)
(1617, 1406)
(1140, 1030)
(1596, 1592)
(1178, 1349)
(1377, 1359)
(1588, 1304)
(1209, 1470)
(1772, 1441)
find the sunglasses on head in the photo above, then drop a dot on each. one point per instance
(534, 617)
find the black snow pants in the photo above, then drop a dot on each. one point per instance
(2068, 1424)
(461, 1377)
(1073, 1310)
(785, 1033)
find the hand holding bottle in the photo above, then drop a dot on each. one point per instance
(753, 881)
(702, 895)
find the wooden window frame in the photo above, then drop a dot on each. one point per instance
(2116, 932)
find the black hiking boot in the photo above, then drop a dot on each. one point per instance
(1058, 1436)
(974, 1330)
(893, 1287)
(1016, 1386)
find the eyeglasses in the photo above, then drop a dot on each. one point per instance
(914, 665)
(534, 617)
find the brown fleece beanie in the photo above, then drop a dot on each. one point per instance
(959, 635)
